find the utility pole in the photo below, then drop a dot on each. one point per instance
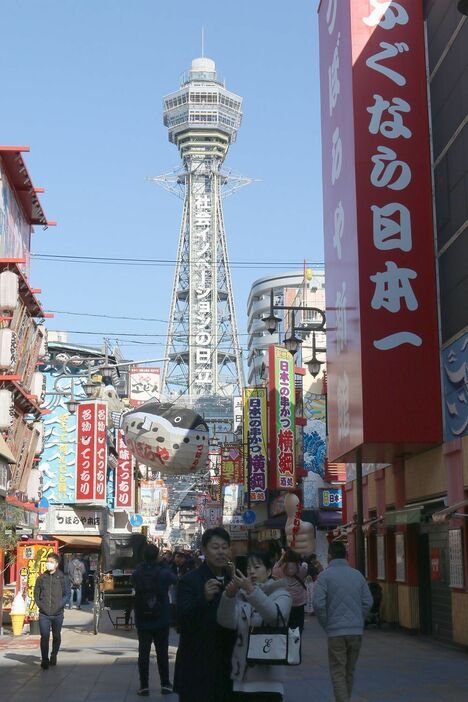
(360, 553)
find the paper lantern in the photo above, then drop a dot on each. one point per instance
(173, 440)
(7, 349)
(38, 385)
(43, 349)
(39, 427)
(7, 410)
(9, 291)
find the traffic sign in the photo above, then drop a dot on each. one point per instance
(249, 516)
(136, 520)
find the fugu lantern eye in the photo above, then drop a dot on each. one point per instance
(177, 420)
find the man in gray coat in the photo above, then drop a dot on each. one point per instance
(342, 600)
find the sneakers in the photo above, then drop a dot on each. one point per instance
(166, 689)
(143, 692)
(44, 665)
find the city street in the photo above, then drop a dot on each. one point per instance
(394, 667)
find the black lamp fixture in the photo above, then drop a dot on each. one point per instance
(72, 403)
(292, 342)
(314, 365)
(463, 7)
(272, 320)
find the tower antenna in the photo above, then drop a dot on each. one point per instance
(203, 41)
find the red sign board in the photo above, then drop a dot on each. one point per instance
(435, 564)
(124, 484)
(91, 456)
(382, 344)
(232, 465)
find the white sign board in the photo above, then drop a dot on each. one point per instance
(75, 521)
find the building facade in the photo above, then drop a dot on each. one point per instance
(415, 502)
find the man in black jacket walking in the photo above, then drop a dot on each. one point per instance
(51, 594)
(203, 663)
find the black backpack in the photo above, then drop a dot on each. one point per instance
(148, 600)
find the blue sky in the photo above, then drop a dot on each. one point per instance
(82, 85)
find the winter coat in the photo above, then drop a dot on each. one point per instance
(77, 564)
(295, 574)
(161, 579)
(203, 662)
(242, 612)
(52, 592)
(342, 599)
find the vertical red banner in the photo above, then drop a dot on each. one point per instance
(86, 426)
(124, 484)
(382, 350)
(101, 453)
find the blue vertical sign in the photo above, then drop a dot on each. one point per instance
(58, 462)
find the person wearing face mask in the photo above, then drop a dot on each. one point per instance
(252, 600)
(51, 594)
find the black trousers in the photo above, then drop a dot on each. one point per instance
(160, 638)
(46, 624)
(296, 618)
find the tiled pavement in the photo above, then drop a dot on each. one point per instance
(393, 667)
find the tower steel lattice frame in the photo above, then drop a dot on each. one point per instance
(204, 357)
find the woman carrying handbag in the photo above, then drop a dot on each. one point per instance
(254, 600)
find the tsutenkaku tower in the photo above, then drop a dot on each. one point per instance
(202, 342)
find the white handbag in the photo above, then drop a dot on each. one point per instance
(274, 645)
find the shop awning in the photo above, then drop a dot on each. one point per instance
(328, 518)
(5, 452)
(77, 540)
(410, 515)
(452, 511)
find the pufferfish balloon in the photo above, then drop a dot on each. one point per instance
(173, 440)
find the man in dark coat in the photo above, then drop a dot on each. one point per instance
(152, 617)
(203, 663)
(51, 594)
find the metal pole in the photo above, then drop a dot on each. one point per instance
(360, 553)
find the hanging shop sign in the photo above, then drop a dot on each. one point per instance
(232, 468)
(213, 513)
(73, 520)
(124, 481)
(153, 501)
(144, 385)
(91, 452)
(379, 248)
(282, 419)
(237, 411)
(256, 434)
(330, 498)
(31, 558)
(171, 439)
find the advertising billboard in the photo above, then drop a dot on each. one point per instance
(379, 249)
(58, 460)
(124, 484)
(256, 436)
(282, 419)
(232, 466)
(31, 558)
(144, 385)
(91, 452)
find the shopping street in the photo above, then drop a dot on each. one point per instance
(394, 667)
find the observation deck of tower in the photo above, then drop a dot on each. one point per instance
(202, 346)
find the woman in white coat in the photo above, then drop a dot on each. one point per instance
(250, 600)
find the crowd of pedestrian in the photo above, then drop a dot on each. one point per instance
(216, 606)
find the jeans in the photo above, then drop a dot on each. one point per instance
(79, 591)
(46, 623)
(160, 638)
(343, 653)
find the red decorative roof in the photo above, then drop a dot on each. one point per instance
(22, 184)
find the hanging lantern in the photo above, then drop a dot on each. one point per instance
(7, 348)
(43, 349)
(9, 291)
(38, 385)
(39, 428)
(173, 440)
(7, 409)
